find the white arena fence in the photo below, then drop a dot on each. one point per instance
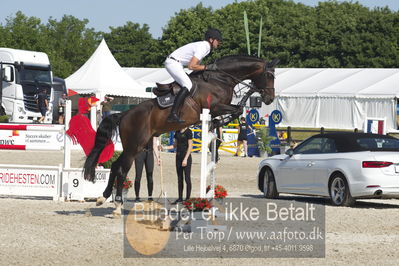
(59, 182)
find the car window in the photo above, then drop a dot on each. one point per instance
(317, 145)
(328, 146)
(375, 143)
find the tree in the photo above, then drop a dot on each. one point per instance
(133, 45)
(22, 32)
(187, 26)
(71, 43)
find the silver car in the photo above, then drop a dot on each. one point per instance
(342, 166)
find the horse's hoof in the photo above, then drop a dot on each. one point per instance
(100, 201)
(117, 213)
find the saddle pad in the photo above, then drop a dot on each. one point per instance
(166, 100)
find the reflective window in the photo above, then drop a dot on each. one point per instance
(32, 75)
(317, 145)
(378, 143)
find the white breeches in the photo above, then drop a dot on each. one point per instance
(175, 69)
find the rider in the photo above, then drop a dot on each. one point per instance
(189, 55)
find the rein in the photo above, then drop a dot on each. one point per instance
(252, 88)
(237, 79)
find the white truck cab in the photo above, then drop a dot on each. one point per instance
(23, 74)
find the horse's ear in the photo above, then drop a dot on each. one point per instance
(274, 62)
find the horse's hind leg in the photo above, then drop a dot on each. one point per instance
(116, 171)
(108, 190)
(121, 169)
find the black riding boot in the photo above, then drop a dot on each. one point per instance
(173, 117)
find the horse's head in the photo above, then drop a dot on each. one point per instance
(264, 81)
(240, 68)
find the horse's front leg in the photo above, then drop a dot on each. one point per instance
(234, 111)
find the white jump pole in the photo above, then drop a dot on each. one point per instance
(207, 169)
(67, 141)
(205, 117)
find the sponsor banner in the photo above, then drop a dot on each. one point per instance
(77, 188)
(29, 182)
(231, 228)
(46, 140)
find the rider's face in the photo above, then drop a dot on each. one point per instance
(215, 43)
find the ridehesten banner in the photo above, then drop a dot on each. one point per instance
(43, 182)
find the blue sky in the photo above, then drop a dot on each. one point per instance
(105, 13)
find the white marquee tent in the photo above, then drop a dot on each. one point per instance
(338, 98)
(102, 75)
(335, 98)
(148, 76)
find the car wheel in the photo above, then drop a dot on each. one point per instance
(339, 191)
(269, 185)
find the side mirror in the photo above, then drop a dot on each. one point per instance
(7, 74)
(290, 152)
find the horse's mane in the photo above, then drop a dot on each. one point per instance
(228, 57)
(225, 60)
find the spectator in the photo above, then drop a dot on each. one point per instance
(91, 102)
(242, 137)
(106, 106)
(42, 102)
(146, 158)
(282, 135)
(183, 145)
(61, 108)
(219, 141)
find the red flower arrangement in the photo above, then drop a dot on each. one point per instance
(197, 204)
(127, 183)
(220, 192)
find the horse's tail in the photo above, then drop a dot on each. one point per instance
(104, 134)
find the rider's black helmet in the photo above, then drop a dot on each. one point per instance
(214, 34)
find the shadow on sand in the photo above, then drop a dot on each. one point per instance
(360, 204)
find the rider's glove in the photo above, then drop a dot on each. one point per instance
(211, 67)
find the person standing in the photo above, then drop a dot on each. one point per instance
(183, 145)
(189, 55)
(61, 108)
(146, 158)
(219, 141)
(106, 106)
(91, 102)
(242, 136)
(42, 102)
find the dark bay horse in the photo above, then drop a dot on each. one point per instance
(211, 89)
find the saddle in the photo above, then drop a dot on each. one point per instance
(166, 94)
(163, 89)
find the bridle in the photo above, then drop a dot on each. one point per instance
(267, 71)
